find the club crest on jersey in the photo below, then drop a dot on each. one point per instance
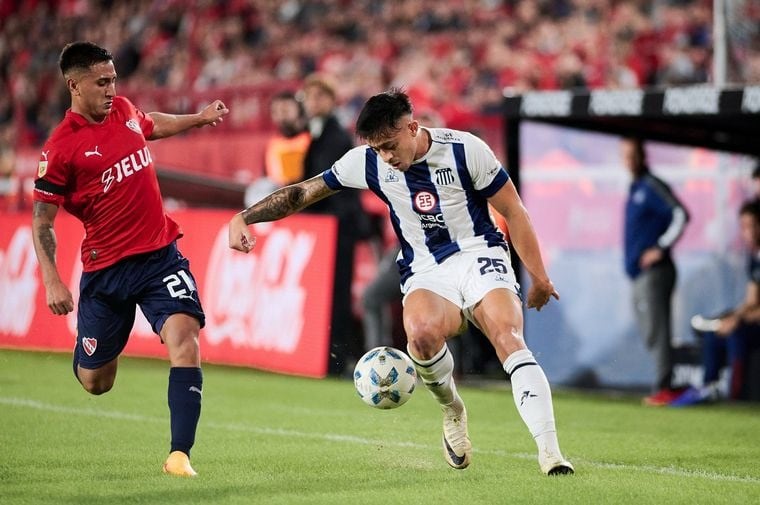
(425, 201)
(444, 176)
(132, 125)
(89, 345)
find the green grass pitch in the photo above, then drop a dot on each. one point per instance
(271, 439)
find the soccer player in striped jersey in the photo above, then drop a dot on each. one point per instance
(454, 263)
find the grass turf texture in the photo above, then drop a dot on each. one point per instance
(272, 439)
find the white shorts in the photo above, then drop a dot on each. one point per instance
(465, 277)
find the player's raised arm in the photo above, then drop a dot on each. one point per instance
(508, 203)
(59, 297)
(166, 125)
(281, 203)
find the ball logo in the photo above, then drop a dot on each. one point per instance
(424, 201)
(89, 345)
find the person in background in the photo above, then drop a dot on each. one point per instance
(455, 265)
(96, 164)
(286, 149)
(330, 141)
(727, 340)
(654, 221)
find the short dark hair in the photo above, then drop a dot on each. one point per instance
(751, 207)
(380, 114)
(82, 55)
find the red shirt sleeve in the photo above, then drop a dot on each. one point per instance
(146, 123)
(52, 176)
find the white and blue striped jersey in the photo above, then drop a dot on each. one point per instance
(438, 207)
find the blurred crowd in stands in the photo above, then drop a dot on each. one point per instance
(454, 56)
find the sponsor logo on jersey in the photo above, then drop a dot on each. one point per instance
(89, 345)
(94, 152)
(430, 221)
(444, 176)
(447, 136)
(126, 167)
(425, 201)
(132, 125)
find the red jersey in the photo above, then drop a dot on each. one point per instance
(103, 175)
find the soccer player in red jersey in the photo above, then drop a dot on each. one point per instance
(96, 164)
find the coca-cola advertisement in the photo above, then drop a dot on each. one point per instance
(268, 309)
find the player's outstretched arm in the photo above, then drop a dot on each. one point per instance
(281, 203)
(59, 298)
(166, 125)
(508, 203)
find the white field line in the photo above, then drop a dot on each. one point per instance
(352, 439)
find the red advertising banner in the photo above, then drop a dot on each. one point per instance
(268, 309)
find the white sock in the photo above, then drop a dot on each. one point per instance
(437, 375)
(533, 399)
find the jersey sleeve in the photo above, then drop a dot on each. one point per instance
(349, 171)
(488, 175)
(52, 176)
(146, 123)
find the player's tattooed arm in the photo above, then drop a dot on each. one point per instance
(288, 200)
(59, 298)
(43, 216)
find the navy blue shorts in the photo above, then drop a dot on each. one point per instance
(159, 282)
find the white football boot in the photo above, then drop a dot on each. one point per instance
(555, 465)
(457, 448)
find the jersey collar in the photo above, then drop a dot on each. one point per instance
(79, 119)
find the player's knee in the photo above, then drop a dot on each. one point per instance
(97, 386)
(508, 340)
(185, 350)
(425, 337)
(422, 329)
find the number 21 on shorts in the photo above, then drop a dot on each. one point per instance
(180, 285)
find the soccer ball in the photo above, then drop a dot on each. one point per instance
(385, 378)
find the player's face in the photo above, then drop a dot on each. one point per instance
(400, 147)
(93, 90)
(750, 230)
